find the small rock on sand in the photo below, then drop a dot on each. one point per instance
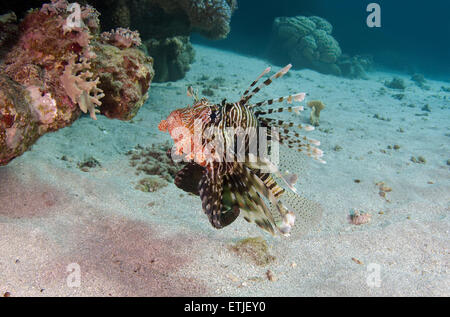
(270, 276)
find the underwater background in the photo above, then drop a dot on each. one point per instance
(90, 204)
(413, 36)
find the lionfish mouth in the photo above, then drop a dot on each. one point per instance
(228, 189)
(173, 121)
(163, 126)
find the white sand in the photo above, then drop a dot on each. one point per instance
(52, 214)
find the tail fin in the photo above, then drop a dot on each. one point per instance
(306, 214)
(244, 192)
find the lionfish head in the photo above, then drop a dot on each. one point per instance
(181, 124)
(173, 121)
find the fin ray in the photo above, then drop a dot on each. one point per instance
(267, 82)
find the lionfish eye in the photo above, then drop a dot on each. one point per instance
(213, 115)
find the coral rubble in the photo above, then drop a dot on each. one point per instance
(154, 160)
(420, 81)
(359, 218)
(151, 184)
(56, 68)
(254, 249)
(88, 163)
(355, 66)
(395, 83)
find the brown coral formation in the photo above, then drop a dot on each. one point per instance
(18, 126)
(173, 57)
(308, 43)
(169, 18)
(125, 76)
(165, 26)
(50, 74)
(8, 29)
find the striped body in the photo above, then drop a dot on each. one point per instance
(228, 187)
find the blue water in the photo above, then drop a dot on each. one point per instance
(414, 35)
(75, 197)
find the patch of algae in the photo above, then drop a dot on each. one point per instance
(154, 160)
(151, 184)
(254, 249)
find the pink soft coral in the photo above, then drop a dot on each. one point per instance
(56, 54)
(50, 74)
(80, 87)
(55, 7)
(122, 38)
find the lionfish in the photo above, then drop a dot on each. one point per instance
(229, 187)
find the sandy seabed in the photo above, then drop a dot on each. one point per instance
(54, 217)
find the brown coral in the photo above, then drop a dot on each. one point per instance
(316, 107)
(307, 42)
(36, 70)
(173, 57)
(125, 76)
(8, 28)
(50, 74)
(165, 27)
(168, 18)
(50, 53)
(19, 127)
(151, 184)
